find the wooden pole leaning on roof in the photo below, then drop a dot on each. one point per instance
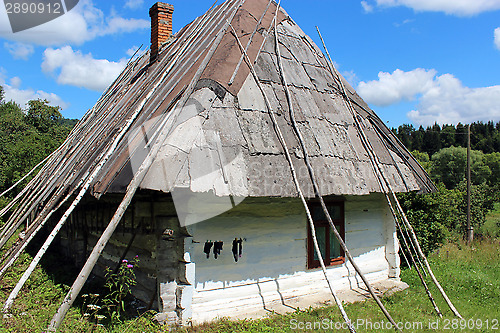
(24, 177)
(403, 230)
(27, 206)
(296, 183)
(86, 185)
(424, 258)
(422, 280)
(132, 188)
(19, 215)
(316, 187)
(400, 210)
(16, 251)
(75, 202)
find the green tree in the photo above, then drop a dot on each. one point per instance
(27, 137)
(431, 139)
(432, 215)
(418, 139)
(461, 135)
(449, 166)
(447, 136)
(493, 162)
(423, 159)
(441, 216)
(42, 116)
(404, 134)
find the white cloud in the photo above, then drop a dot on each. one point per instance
(13, 92)
(134, 4)
(396, 87)
(81, 70)
(15, 82)
(19, 50)
(443, 99)
(367, 7)
(85, 22)
(119, 25)
(454, 7)
(497, 38)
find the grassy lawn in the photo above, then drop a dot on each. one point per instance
(491, 226)
(469, 275)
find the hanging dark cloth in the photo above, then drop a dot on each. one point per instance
(237, 248)
(207, 247)
(217, 248)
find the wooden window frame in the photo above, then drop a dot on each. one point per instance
(339, 223)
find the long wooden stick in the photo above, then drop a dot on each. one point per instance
(295, 179)
(242, 57)
(401, 211)
(27, 238)
(424, 258)
(403, 231)
(34, 196)
(26, 175)
(422, 280)
(316, 188)
(131, 189)
(30, 203)
(80, 196)
(48, 210)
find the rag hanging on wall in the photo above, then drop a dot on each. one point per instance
(207, 247)
(217, 248)
(237, 248)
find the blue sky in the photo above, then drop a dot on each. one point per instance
(413, 61)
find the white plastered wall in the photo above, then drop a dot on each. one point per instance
(272, 269)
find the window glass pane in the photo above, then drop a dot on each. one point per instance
(320, 235)
(318, 214)
(334, 212)
(334, 246)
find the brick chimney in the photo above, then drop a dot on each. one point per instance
(161, 26)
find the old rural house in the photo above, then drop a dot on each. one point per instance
(199, 154)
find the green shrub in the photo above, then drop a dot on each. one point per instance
(441, 216)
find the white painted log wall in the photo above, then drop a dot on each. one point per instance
(273, 265)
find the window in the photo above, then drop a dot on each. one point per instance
(329, 246)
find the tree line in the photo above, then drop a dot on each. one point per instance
(484, 137)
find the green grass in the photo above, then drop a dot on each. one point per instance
(491, 226)
(470, 276)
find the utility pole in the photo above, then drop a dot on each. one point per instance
(470, 228)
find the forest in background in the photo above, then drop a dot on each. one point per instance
(484, 137)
